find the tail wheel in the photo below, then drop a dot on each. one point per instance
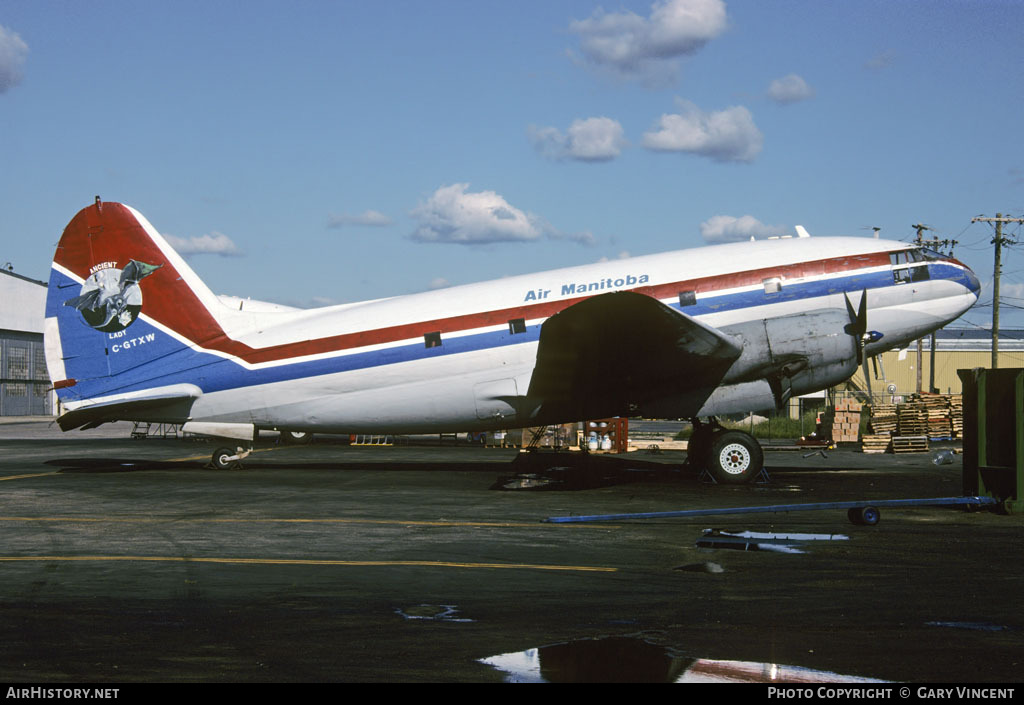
(734, 457)
(223, 459)
(296, 438)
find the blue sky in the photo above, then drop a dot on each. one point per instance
(323, 152)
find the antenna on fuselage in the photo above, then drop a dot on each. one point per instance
(801, 231)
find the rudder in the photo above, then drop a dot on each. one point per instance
(124, 312)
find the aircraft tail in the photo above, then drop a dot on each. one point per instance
(124, 318)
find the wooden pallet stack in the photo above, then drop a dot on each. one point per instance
(842, 424)
(876, 443)
(910, 444)
(908, 427)
(956, 413)
(883, 419)
(912, 419)
(911, 428)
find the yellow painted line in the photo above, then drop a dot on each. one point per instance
(307, 561)
(22, 477)
(385, 522)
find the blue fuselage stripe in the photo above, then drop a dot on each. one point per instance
(163, 360)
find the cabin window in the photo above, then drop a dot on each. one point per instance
(517, 325)
(772, 285)
(687, 298)
(432, 340)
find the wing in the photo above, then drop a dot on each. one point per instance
(615, 354)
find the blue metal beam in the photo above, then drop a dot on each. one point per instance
(776, 508)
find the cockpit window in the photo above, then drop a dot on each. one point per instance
(918, 254)
(911, 265)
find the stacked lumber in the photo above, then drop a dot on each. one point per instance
(842, 424)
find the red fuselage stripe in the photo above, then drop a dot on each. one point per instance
(114, 235)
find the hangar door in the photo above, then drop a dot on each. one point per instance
(24, 384)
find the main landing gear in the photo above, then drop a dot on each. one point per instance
(730, 457)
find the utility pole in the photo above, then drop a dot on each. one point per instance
(920, 243)
(936, 244)
(998, 241)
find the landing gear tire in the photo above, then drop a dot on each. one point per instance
(296, 438)
(734, 457)
(864, 516)
(223, 459)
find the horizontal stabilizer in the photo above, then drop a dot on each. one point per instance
(171, 402)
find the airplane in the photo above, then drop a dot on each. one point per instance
(133, 334)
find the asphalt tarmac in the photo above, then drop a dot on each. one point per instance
(127, 561)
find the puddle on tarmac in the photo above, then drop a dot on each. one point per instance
(584, 478)
(757, 541)
(103, 465)
(634, 660)
(434, 613)
(582, 471)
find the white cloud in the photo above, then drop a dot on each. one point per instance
(882, 60)
(584, 237)
(214, 243)
(727, 228)
(644, 47)
(438, 283)
(728, 135)
(453, 215)
(12, 57)
(366, 218)
(596, 139)
(789, 89)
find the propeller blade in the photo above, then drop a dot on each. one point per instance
(862, 314)
(867, 377)
(858, 325)
(858, 319)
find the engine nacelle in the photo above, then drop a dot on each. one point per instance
(782, 357)
(788, 345)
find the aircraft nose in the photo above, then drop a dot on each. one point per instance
(972, 282)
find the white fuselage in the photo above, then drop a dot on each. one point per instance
(383, 376)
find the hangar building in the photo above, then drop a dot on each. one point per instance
(24, 383)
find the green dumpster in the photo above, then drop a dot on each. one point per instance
(994, 434)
